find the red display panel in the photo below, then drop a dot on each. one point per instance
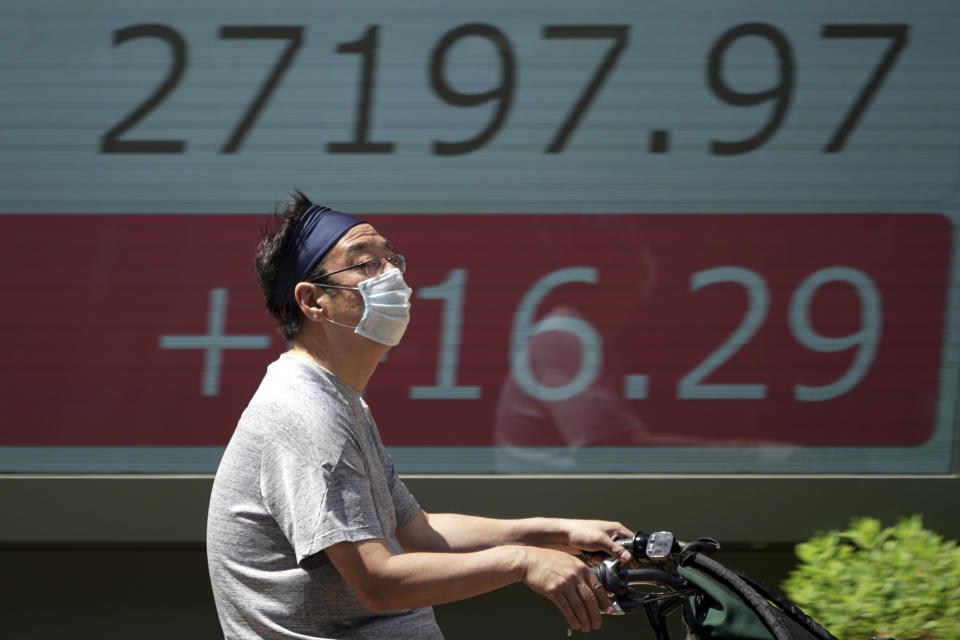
(527, 330)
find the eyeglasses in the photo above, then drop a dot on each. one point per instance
(372, 267)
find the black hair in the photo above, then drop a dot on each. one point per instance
(279, 231)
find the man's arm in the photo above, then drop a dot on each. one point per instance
(458, 532)
(385, 581)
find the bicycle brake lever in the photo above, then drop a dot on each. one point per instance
(608, 572)
(625, 604)
(616, 586)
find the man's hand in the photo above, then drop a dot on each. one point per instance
(577, 536)
(569, 583)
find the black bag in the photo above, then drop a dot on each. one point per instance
(732, 605)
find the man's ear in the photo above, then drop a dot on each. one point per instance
(308, 297)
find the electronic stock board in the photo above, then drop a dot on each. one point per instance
(659, 237)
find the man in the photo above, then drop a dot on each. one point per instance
(310, 532)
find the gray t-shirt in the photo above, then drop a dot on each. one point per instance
(304, 470)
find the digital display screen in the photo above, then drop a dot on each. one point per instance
(681, 238)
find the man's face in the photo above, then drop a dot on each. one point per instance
(358, 245)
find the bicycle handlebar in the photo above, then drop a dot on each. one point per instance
(662, 545)
(665, 589)
(662, 551)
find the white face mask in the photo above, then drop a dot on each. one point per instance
(386, 308)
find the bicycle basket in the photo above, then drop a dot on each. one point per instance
(732, 605)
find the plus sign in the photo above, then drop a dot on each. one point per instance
(214, 342)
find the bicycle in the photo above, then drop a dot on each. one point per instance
(716, 601)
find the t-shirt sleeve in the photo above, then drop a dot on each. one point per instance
(404, 503)
(317, 507)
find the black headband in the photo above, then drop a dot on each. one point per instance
(318, 229)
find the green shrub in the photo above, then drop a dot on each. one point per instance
(901, 582)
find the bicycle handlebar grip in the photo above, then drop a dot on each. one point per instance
(636, 545)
